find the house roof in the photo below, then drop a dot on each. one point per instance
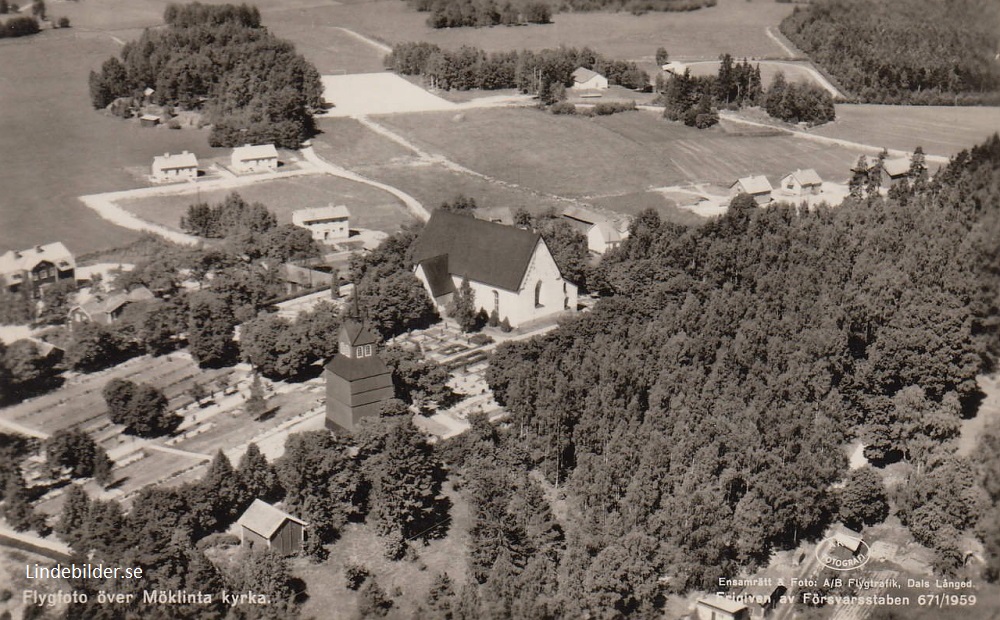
(582, 74)
(806, 177)
(438, 278)
(493, 254)
(846, 537)
(720, 602)
(265, 519)
(149, 117)
(13, 262)
(329, 212)
(259, 151)
(173, 162)
(302, 276)
(896, 167)
(754, 184)
(96, 308)
(586, 216)
(355, 369)
(356, 333)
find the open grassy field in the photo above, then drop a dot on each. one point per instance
(590, 158)
(55, 147)
(736, 26)
(940, 130)
(370, 207)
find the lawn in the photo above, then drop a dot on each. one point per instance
(348, 143)
(405, 582)
(55, 147)
(592, 158)
(370, 207)
(940, 130)
(734, 26)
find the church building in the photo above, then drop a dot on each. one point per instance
(357, 380)
(510, 270)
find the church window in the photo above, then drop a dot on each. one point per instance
(538, 294)
(368, 350)
(359, 351)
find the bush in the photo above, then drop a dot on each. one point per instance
(356, 575)
(63, 22)
(614, 107)
(562, 107)
(219, 539)
(505, 325)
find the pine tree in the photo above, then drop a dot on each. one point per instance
(76, 507)
(256, 476)
(222, 491)
(17, 509)
(255, 404)
(859, 175)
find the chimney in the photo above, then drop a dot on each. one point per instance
(38, 249)
(17, 254)
(167, 155)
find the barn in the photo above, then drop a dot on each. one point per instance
(585, 79)
(263, 525)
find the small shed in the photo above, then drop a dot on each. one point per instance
(757, 186)
(584, 78)
(149, 120)
(847, 538)
(715, 607)
(895, 170)
(264, 525)
(802, 182)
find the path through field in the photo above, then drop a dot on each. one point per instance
(729, 116)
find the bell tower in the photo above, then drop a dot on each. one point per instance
(357, 380)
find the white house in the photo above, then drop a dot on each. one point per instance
(601, 231)
(802, 182)
(36, 267)
(259, 158)
(586, 79)
(328, 224)
(758, 187)
(510, 270)
(181, 167)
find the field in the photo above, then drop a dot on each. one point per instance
(591, 158)
(55, 147)
(370, 208)
(940, 130)
(736, 26)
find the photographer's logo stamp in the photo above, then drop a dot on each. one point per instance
(843, 551)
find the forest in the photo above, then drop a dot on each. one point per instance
(526, 70)
(220, 59)
(695, 419)
(920, 52)
(480, 13)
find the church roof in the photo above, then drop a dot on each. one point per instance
(354, 369)
(357, 333)
(438, 278)
(486, 252)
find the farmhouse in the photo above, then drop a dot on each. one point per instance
(107, 311)
(183, 167)
(802, 182)
(263, 525)
(41, 265)
(896, 170)
(259, 158)
(584, 79)
(717, 607)
(510, 270)
(601, 231)
(327, 224)
(757, 186)
(357, 380)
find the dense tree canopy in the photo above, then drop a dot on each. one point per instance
(904, 51)
(733, 360)
(254, 86)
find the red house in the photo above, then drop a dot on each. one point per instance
(357, 380)
(263, 525)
